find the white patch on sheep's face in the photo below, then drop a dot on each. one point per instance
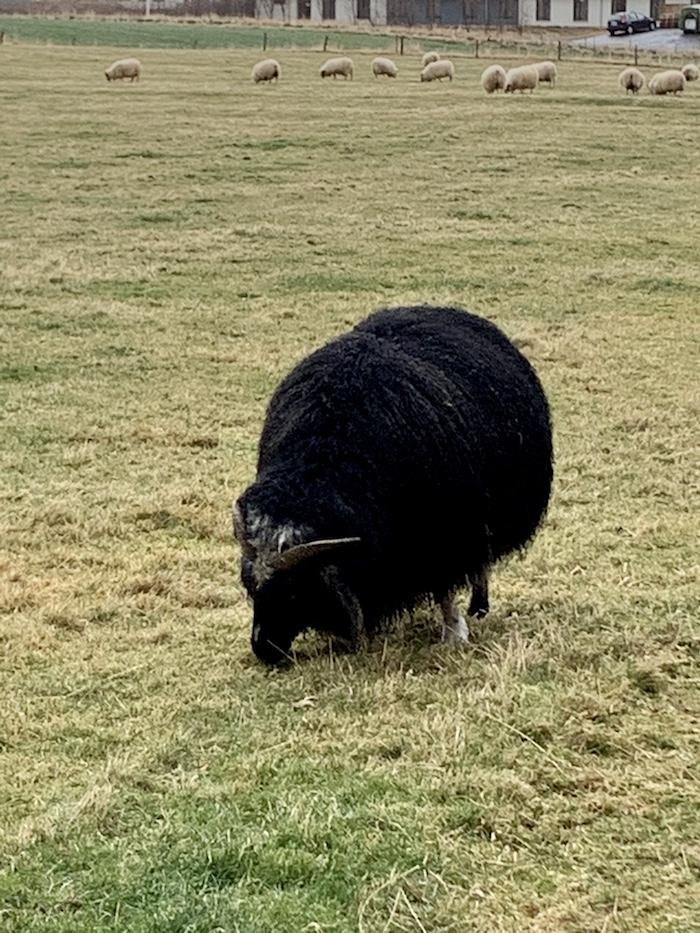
(264, 539)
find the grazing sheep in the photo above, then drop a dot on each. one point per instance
(337, 66)
(124, 68)
(266, 70)
(631, 79)
(524, 78)
(438, 70)
(397, 463)
(429, 58)
(493, 79)
(547, 72)
(384, 66)
(667, 82)
(691, 72)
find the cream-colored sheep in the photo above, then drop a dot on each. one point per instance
(429, 58)
(631, 79)
(524, 78)
(266, 70)
(384, 66)
(667, 82)
(691, 72)
(337, 66)
(124, 68)
(493, 79)
(547, 71)
(436, 71)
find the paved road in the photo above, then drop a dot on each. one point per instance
(660, 40)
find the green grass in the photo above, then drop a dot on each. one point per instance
(170, 249)
(179, 35)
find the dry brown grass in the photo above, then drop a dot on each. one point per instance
(169, 251)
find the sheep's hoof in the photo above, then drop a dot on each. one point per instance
(457, 636)
(454, 627)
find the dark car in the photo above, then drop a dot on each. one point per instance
(630, 22)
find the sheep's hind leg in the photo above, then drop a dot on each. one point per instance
(454, 628)
(479, 603)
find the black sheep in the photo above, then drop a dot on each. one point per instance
(396, 463)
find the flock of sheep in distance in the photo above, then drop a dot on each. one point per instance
(434, 68)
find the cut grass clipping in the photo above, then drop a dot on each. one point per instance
(170, 249)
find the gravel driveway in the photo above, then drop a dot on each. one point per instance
(660, 40)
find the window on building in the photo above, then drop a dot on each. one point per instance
(363, 9)
(544, 11)
(580, 11)
(618, 6)
(328, 9)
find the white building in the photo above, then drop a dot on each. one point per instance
(593, 13)
(340, 11)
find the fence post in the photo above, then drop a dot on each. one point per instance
(264, 41)
(636, 54)
(476, 48)
(325, 43)
(400, 45)
(559, 50)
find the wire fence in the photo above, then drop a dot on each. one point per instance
(627, 53)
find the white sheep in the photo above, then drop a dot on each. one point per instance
(631, 79)
(337, 66)
(438, 70)
(691, 72)
(547, 71)
(266, 70)
(384, 66)
(124, 68)
(429, 58)
(493, 79)
(524, 78)
(667, 82)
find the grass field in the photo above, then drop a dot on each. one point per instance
(178, 35)
(169, 249)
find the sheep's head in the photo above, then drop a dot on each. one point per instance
(292, 578)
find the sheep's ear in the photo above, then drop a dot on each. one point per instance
(301, 552)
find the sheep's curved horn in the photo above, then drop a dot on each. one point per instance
(301, 552)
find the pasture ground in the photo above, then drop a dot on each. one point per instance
(171, 33)
(169, 250)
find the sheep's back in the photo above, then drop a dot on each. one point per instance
(430, 429)
(499, 421)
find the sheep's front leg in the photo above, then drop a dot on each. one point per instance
(454, 628)
(479, 603)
